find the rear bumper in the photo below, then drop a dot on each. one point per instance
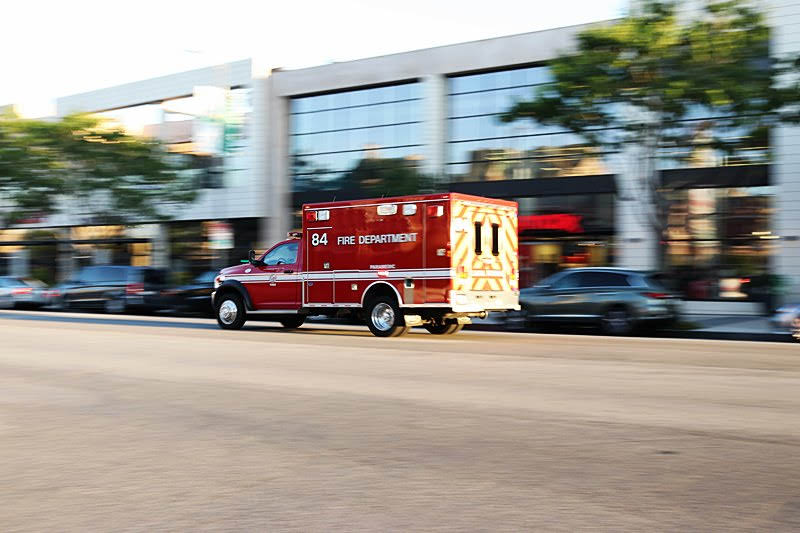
(480, 301)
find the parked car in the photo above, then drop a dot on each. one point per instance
(114, 289)
(617, 300)
(787, 318)
(194, 297)
(21, 292)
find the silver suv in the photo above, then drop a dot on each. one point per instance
(617, 300)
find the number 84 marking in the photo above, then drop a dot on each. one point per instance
(319, 238)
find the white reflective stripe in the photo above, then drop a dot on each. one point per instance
(345, 275)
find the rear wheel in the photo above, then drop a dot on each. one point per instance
(796, 329)
(293, 321)
(617, 321)
(230, 311)
(449, 327)
(384, 318)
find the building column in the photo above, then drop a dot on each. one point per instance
(434, 128)
(785, 156)
(271, 167)
(635, 239)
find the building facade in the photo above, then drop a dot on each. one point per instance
(428, 120)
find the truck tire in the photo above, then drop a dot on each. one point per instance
(384, 317)
(292, 321)
(230, 311)
(450, 327)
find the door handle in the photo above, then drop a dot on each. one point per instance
(288, 271)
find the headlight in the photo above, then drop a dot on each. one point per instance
(219, 279)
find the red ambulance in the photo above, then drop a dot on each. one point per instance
(434, 260)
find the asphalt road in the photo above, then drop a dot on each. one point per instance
(117, 424)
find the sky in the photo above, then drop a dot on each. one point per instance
(58, 48)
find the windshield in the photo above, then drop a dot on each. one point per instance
(206, 277)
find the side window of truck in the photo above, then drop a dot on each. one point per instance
(478, 238)
(285, 254)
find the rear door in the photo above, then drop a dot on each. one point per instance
(485, 246)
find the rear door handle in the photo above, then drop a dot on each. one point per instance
(288, 271)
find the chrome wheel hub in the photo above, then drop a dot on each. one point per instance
(382, 316)
(228, 312)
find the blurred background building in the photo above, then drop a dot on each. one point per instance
(264, 143)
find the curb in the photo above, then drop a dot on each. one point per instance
(671, 334)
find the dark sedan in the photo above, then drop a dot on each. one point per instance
(194, 297)
(615, 299)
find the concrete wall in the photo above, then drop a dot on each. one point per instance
(156, 89)
(243, 193)
(784, 17)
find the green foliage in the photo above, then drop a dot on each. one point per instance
(97, 173)
(385, 177)
(640, 81)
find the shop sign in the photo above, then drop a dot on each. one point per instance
(220, 236)
(568, 223)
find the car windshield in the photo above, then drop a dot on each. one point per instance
(206, 277)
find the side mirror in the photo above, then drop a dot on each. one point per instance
(251, 257)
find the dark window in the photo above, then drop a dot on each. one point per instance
(603, 279)
(478, 238)
(154, 276)
(569, 281)
(495, 239)
(285, 254)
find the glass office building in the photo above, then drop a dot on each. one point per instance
(367, 139)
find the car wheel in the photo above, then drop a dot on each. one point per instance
(114, 305)
(384, 318)
(292, 322)
(230, 311)
(796, 329)
(617, 321)
(449, 327)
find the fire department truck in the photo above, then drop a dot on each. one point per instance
(433, 260)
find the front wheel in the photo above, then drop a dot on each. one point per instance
(450, 327)
(384, 318)
(230, 311)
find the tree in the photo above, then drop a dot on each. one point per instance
(638, 85)
(80, 164)
(385, 177)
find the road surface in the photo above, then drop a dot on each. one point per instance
(145, 424)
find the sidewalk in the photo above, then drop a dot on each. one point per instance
(721, 327)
